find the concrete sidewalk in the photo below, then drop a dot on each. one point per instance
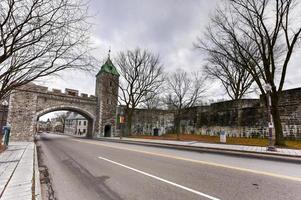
(215, 147)
(19, 177)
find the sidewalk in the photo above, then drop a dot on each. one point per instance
(18, 172)
(236, 149)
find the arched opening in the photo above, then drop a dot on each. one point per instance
(107, 131)
(75, 121)
(156, 132)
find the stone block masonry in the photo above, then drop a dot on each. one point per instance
(107, 85)
(241, 118)
(248, 117)
(31, 101)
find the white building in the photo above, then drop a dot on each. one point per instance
(76, 124)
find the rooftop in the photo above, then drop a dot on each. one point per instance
(109, 68)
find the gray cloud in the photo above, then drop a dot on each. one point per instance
(166, 27)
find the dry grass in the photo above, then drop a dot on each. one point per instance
(293, 144)
(215, 139)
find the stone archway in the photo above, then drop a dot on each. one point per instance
(27, 105)
(108, 130)
(89, 116)
(30, 101)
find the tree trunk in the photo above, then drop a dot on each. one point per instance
(276, 120)
(177, 126)
(129, 123)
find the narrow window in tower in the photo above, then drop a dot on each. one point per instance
(110, 83)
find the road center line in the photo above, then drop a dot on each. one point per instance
(196, 161)
(160, 179)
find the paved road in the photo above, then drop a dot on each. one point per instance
(89, 169)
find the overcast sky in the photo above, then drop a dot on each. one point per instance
(166, 27)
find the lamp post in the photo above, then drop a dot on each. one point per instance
(268, 89)
(4, 104)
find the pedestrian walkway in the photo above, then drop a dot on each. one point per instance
(216, 146)
(17, 171)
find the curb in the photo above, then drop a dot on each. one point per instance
(37, 185)
(238, 153)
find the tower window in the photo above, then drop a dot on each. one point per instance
(110, 83)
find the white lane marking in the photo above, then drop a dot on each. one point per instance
(161, 179)
(197, 161)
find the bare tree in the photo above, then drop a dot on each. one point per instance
(235, 79)
(153, 100)
(39, 38)
(141, 76)
(273, 27)
(184, 90)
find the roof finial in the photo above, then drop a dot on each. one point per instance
(109, 52)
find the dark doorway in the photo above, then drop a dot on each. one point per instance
(107, 130)
(156, 132)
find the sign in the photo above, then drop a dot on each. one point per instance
(121, 119)
(223, 137)
(271, 125)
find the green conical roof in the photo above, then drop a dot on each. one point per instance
(108, 67)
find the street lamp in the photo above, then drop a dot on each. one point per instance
(268, 89)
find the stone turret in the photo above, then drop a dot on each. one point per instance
(106, 91)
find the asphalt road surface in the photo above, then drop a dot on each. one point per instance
(83, 169)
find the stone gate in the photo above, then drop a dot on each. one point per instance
(29, 102)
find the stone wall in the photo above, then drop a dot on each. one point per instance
(149, 121)
(230, 113)
(21, 115)
(30, 102)
(290, 109)
(242, 118)
(247, 117)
